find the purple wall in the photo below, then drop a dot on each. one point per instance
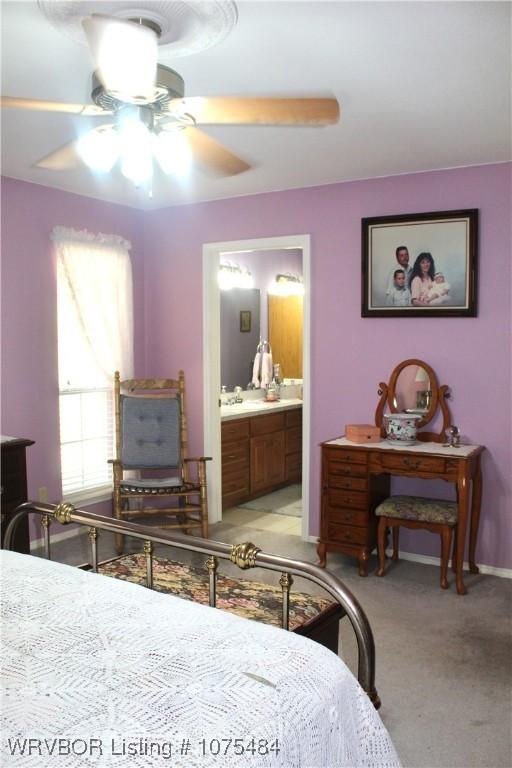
(29, 312)
(265, 265)
(349, 354)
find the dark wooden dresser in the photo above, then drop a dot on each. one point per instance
(14, 488)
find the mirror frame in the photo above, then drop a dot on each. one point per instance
(438, 400)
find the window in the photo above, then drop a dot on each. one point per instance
(95, 338)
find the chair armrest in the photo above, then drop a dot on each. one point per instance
(198, 458)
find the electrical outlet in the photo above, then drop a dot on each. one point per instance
(42, 494)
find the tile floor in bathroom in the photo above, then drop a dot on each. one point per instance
(278, 512)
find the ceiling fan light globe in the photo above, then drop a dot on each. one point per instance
(99, 149)
(126, 57)
(173, 152)
(135, 144)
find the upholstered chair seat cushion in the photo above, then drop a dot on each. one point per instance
(163, 485)
(420, 509)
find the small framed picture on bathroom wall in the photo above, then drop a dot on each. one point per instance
(420, 265)
(245, 321)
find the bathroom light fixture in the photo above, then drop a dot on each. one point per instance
(232, 275)
(287, 284)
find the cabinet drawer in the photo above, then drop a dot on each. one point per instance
(13, 487)
(348, 517)
(293, 440)
(347, 456)
(352, 499)
(235, 468)
(409, 463)
(294, 418)
(346, 534)
(348, 483)
(235, 453)
(272, 422)
(236, 483)
(233, 430)
(347, 470)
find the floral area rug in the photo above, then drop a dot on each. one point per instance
(250, 599)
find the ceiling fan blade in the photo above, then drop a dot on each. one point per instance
(259, 111)
(64, 158)
(213, 156)
(38, 105)
(125, 54)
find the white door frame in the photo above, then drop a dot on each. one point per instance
(211, 361)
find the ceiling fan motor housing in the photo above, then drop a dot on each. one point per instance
(169, 85)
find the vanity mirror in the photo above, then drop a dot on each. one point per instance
(413, 389)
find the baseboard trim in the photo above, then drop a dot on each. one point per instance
(55, 537)
(490, 570)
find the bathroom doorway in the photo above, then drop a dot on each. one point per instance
(290, 500)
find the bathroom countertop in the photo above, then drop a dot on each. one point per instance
(256, 408)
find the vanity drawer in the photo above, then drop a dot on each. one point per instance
(233, 430)
(237, 482)
(351, 499)
(348, 483)
(348, 517)
(294, 418)
(293, 440)
(234, 453)
(347, 534)
(342, 469)
(409, 463)
(347, 456)
(272, 422)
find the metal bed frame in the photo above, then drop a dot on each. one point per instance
(245, 556)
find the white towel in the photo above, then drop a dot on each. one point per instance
(256, 371)
(266, 369)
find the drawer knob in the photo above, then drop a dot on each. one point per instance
(325, 487)
(412, 463)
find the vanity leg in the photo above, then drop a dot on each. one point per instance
(321, 551)
(475, 515)
(463, 497)
(446, 540)
(363, 562)
(396, 533)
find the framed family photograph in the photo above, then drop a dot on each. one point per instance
(420, 265)
(245, 321)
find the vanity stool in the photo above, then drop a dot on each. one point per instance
(432, 515)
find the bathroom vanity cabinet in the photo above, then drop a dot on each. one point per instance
(260, 454)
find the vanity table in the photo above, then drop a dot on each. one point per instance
(356, 478)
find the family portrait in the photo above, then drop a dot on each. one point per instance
(420, 264)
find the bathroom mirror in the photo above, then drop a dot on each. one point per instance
(250, 314)
(413, 388)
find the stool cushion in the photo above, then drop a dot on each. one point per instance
(420, 509)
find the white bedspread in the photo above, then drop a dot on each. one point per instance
(98, 671)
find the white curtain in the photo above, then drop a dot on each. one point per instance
(95, 288)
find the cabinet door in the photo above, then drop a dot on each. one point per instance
(267, 461)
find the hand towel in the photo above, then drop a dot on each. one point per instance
(256, 370)
(266, 369)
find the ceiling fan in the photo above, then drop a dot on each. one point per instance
(150, 114)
